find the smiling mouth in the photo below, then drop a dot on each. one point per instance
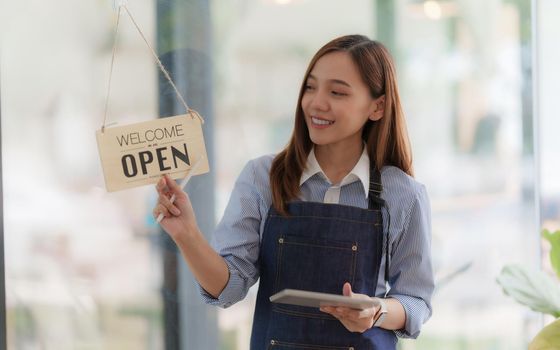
(318, 121)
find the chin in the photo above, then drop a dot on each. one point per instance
(320, 141)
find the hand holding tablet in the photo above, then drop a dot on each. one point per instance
(315, 299)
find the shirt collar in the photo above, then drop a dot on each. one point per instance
(359, 172)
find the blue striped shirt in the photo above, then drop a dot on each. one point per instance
(238, 235)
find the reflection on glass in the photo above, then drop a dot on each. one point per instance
(82, 271)
(467, 80)
(548, 53)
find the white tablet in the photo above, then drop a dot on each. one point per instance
(315, 299)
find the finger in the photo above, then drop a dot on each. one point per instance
(173, 186)
(351, 325)
(161, 187)
(160, 209)
(166, 202)
(164, 196)
(357, 315)
(347, 290)
(366, 313)
(338, 313)
(333, 314)
(342, 311)
(331, 311)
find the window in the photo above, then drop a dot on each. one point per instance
(86, 269)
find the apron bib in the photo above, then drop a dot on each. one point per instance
(319, 247)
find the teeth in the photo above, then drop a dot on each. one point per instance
(320, 121)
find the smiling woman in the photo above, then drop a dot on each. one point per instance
(341, 106)
(356, 86)
(282, 228)
(110, 278)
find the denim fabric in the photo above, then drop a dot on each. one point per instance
(318, 248)
(239, 234)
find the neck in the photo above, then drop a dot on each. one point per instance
(337, 160)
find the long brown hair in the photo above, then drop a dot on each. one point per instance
(386, 139)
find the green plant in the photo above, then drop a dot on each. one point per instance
(539, 291)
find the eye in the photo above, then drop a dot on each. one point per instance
(338, 93)
(308, 87)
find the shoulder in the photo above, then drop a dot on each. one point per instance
(401, 189)
(258, 169)
(261, 165)
(257, 173)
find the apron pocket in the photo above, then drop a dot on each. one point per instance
(316, 265)
(278, 345)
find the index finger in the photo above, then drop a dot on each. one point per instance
(355, 314)
(173, 186)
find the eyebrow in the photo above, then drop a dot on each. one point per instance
(336, 81)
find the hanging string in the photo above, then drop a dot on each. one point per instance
(162, 68)
(111, 71)
(161, 64)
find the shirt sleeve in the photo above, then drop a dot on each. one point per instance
(411, 275)
(237, 239)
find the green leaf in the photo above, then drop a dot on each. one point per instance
(530, 287)
(548, 338)
(554, 239)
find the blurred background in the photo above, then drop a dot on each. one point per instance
(87, 269)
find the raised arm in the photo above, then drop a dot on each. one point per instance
(207, 266)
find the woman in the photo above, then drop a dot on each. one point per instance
(336, 211)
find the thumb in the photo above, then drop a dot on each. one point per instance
(347, 290)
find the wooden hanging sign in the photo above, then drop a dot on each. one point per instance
(139, 154)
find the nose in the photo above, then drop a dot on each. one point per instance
(318, 101)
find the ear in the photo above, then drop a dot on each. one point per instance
(378, 108)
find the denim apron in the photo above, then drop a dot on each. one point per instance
(319, 247)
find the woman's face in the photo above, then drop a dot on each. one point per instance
(336, 102)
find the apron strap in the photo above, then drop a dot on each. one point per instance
(375, 189)
(376, 202)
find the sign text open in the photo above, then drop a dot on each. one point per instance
(138, 154)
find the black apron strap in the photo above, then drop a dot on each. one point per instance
(375, 189)
(376, 202)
